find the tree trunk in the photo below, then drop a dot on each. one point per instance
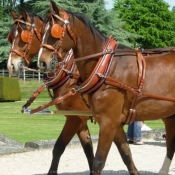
(21, 2)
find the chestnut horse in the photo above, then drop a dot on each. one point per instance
(122, 85)
(20, 45)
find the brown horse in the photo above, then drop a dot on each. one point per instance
(24, 34)
(122, 86)
(74, 124)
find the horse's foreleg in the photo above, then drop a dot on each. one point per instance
(106, 136)
(70, 128)
(124, 150)
(86, 142)
(170, 142)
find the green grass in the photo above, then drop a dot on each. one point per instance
(24, 127)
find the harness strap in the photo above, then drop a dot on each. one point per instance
(141, 79)
(136, 91)
(51, 48)
(100, 70)
(17, 52)
(55, 101)
(21, 54)
(55, 80)
(34, 96)
(158, 96)
(119, 52)
(86, 57)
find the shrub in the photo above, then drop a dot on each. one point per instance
(9, 89)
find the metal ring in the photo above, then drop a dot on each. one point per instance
(73, 90)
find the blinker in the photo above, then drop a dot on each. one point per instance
(25, 36)
(56, 31)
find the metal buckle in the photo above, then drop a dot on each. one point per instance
(66, 22)
(100, 75)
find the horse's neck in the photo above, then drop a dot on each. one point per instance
(87, 44)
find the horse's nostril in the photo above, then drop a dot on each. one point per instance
(21, 63)
(43, 64)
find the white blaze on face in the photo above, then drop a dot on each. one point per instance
(10, 55)
(41, 48)
(165, 167)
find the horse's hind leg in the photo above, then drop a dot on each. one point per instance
(124, 150)
(170, 142)
(71, 127)
(86, 142)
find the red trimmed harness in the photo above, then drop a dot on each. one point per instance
(100, 75)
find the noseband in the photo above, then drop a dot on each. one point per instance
(58, 31)
(26, 36)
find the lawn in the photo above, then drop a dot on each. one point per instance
(24, 127)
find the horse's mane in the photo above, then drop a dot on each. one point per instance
(86, 21)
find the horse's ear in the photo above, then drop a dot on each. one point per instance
(24, 13)
(53, 7)
(14, 15)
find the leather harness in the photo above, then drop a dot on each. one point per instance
(53, 81)
(100, 73)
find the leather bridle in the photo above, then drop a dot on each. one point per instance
(66, 26)
(29, 39)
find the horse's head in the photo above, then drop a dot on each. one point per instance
(25, 36)
(57, 40)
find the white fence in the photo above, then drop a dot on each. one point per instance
(25, 75)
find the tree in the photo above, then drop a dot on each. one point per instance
(107, 21)
(173, 9)
(5, 22)
(152, 20)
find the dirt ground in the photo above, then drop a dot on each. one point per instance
(148, 159)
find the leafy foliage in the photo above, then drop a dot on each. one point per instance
(5, 22)
(106, 21)
(152, 20)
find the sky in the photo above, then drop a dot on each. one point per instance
(109, 4)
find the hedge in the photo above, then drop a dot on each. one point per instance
(9, 89)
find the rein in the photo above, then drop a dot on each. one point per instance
(29, 69)
(120, 52)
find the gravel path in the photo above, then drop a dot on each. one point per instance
(148, 159)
